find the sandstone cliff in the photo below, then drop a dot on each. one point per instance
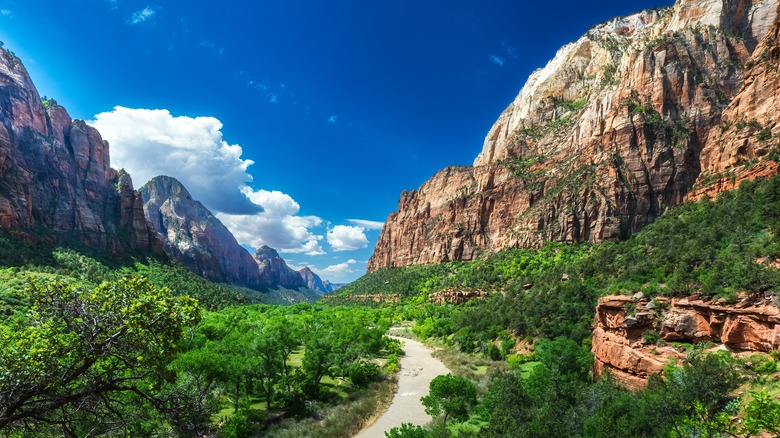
(274, 270)
(195, 237)
(747, 142)
(627, 330)
(601, 141)
(55, 173)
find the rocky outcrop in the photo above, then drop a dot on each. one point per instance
(274, 270)
(454, 296)
(55, 173)
(195, 237)
(632, 334)
(598, 143)
(363, 298)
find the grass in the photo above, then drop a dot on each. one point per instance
(468, 366)
(345, 419)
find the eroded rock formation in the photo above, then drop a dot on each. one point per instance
(602, 140)
(55, 172)
(455, 296)
(274, 269)
(195, 237)
(627, 328)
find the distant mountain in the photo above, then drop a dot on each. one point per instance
(330, 287)
(195, 237)
(312, 280)
(55, 173)
(274, 269)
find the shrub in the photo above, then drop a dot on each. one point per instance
(361, 373)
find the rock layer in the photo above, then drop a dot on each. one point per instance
(598, 143)
(622, 342)
(55, 172)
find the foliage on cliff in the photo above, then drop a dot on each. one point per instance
(716, 248)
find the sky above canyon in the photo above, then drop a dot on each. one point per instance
(297, 123)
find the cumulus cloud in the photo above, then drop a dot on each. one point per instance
(277, 226)
(142, 15)
(497, 60)
(368, 225)
(347, 238)
(341, 268)
(148, 143)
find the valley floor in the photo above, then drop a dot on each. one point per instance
(418, 368)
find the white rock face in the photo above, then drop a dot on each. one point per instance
(577, 70)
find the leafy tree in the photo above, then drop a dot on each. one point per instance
(83, 354)
(452, 396)
(407, 430)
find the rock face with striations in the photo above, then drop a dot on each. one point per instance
(274, 270)
(55, 173)
(749, 134)
(601, 141)
(195, 237)
(622, 345)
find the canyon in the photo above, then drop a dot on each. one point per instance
(620, 125)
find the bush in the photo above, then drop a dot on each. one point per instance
(407, 430)
(651, 337)
(361, 373)
(237, 426)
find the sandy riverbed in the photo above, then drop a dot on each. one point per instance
(418, 368)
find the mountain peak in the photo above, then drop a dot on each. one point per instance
(265, 252)
(163, 187)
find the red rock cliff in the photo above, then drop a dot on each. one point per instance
(598, 143)
(55, 173)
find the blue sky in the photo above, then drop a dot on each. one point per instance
(320, 112)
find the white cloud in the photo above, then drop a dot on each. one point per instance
(347, 238)
(368, 225)
(497, 60)
(113, 4)
(333, 119)
(6, 12)
(142, 15)
(277, 226)
(341, 268)
(148, 143)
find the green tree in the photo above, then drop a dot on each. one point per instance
(407, 430)
(452, 396)
(84, 354)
